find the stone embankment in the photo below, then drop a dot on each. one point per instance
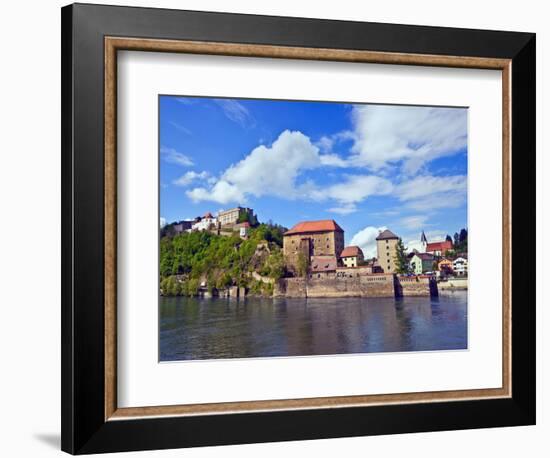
(376, 285)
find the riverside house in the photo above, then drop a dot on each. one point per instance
(421, 263)
(460, 266)
(352, 256)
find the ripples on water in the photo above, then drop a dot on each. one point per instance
(192, 328)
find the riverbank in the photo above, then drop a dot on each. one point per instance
(453, 284)
(326, 286)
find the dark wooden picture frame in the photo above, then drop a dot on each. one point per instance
(91, 37)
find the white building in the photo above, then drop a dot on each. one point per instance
(206, 222)
(460, 266)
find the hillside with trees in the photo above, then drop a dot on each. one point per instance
(191, 259)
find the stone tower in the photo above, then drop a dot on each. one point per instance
(386, 248)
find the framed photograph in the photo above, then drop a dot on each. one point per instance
(281, 228)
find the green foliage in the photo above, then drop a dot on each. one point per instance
(267, 289)
(460, 244)
(220, 261)
(171, 286)
(271, 233)
(302, 264)
(274, 266)
(401, 261)
(192, 287)
(247, 218)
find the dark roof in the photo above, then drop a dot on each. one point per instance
(385, 235)
(325, 225)
(350, 251)
(426, 256)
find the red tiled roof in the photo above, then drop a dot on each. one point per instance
(323, 263)
(350, 251)
(324, 225)
(208, 215)
(440, 246)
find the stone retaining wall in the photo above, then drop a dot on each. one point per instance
(419, 285)
(360, 286)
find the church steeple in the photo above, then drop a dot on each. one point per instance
(423, 243)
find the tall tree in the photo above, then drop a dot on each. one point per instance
(463, 240)
(302, 264)
(401, 261)
(456, 241)
(449, 238)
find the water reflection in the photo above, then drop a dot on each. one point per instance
(192, 328)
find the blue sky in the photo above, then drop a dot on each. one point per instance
(368, 167)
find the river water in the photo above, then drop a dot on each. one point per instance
(193, 328)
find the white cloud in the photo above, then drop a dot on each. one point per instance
(386, 134)
(274, 170)
(175, 157)
(354, 189)
(427, 192)
(235, 111)
(162, 221)
(428, 185)
(333, 160)
(366, 240)
(267, 170)
(325, 143)
(345, 209)
(222, 192)
(191, 176)
(414, 221)
(180, 127)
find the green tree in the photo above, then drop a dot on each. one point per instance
(463, 240)
(302, 264)
(275, 265)
(243, 218)
(449, 253)
(401, 261)
(221, 260)
(456, 241)
(193, 287)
